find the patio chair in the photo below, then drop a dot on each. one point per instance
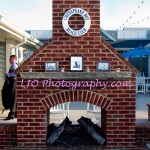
(140, 85)
(59, 112)
(94, 113)
(147, 85)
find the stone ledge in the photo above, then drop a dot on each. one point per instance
(122, 76)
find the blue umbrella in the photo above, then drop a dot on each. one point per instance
(137, 52)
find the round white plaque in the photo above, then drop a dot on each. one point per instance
(87, 22)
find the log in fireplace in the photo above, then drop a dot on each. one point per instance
(86, 133)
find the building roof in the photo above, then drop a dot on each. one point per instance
(44, 35)
(106, 35)
(129, 43)
(8, 30)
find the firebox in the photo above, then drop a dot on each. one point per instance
(92, 76)
(86, 133)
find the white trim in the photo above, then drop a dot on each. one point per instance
(12, 29)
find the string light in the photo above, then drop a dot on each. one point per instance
(131, 16)
(138, 17)
(139, 21)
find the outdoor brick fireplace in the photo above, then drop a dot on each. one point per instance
(34, 99)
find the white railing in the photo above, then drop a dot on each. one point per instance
(94, 112)
(59, 112)
(142, 84)
(147, 84)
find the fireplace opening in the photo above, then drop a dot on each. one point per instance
(75, 124)
(74, 110)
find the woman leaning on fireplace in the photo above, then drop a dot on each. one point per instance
(9, 89)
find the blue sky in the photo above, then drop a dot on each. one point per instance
(37, 15)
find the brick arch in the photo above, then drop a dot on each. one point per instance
(74, 96)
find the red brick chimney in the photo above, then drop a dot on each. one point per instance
(92, 7)
(117, 102)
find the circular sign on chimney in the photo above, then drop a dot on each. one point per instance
(87, 22)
